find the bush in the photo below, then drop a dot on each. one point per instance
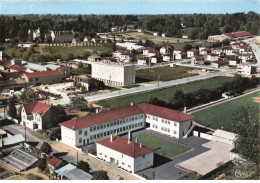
(46, 148)
(83, 166)
(100, 175)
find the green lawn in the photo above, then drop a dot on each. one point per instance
(194, 44)
(163, 94)
(221, 115)
(162, 147)
(165, 73)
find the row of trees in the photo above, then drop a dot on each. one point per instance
(202, 96)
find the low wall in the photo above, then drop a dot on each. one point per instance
(202, 135)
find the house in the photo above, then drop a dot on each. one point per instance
(53, 163)
(43, 94)
(17, 68)
(166, 50)
(153, 53)
(143, 60)
(233, 62)
(156, 59)
(44, 77)
(204, 51)
(212, 57)
(34, 32)
(96, 40)
(89, 129)
(87, 39)
(235, 45)
(181, 56)
(129, 156)
(94, 58)
(227, 50)
(62, 36)
(217, 38)
(156, 34)
(219, 63)
(38, 115)
(197, 60)
(218, 52)
(71, 172)
(168, 57)
(245, 57)
(164, 35)
(192, 52)
(246, 69)
(126, 57)
(177, 51)
(89, 83)
(147, 50)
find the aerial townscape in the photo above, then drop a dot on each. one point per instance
(129, 96)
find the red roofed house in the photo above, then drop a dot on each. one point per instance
(192, 52)
(212, 57)
(53, 163)
(197, 60)
(15, 68)
(38, 115)
(44, 77)
(88, 129)
(245, 57)
(129, 156)
(166, 50)
(238, 35)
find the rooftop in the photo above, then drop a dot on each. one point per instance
(121, 144)
(111, 115)
(43, 74)
(36, 107)
(78, 174)
(65, 169)
(53, 160)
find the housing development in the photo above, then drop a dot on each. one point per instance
(129, 97)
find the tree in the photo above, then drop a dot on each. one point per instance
(83, 166)
(100, 175)
(41, 164)
(226, 42)
(245, 122)
(69, 56)
(187, 47)
(46, 148)
(61, 112)
(12, 109)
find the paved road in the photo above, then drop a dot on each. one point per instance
(256, 51)
(151, 87)
(16, 128)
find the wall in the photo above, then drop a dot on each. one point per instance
(223, 140)
(206, 136)
(68, 136)
(143, 162)
(184, 128)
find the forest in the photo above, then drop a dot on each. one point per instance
(196, 26)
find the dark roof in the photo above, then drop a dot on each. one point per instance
(121, 144)
(143, 108)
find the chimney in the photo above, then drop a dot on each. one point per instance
(111, 138)
(132, 104)
(185, 110)
(116, 132)
(140, 144)
(97, 110)
(136, 139)
(129, 137)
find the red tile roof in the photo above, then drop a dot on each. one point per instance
(238, 34)
(18, 67)
(199, 57)
(53, 160)
(193, 50)
(106, 116)
(36, 107)
(12, 74)
(121, 145)
(43, 74)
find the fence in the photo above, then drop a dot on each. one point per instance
(71, 44)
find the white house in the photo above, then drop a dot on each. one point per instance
(126, 57)
(219, 52)
(212, 57)
(204, 51)
(88, 129)
(168, 57)
(164, 34)
(180, 56)
(227, 50)
(246, 69)
(152, 53)
(198, 60)
(129, 156)
(147, 50)
(177, 51)
(156, 59)
(245, 57)
(192, 52)
(224, 137)
(37, 115)
(143, 60)
(233, 62)
(166, 50)
(113, 72)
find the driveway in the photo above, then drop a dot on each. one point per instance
(207, 161)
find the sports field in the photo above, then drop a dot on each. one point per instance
(164, 94)
(162, 147)
(220, 115)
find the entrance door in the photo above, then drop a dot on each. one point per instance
(87, 141)
(84, 142)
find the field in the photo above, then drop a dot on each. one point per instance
(165, 73)
(164, 94)
(220, 116)
(194, 44)
(162, 147)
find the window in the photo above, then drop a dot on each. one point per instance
(129, 166)
(94, 128)
(105, 155)
(175, 124)
(126, 127)
(101, 126)
(97, 135)
(121, 121)
(174, 132)
(162, 120)
(122, 155)
(80, 132)
(105, 133)
(114, 122)
(135, 117)
(144, 156)
(168, 122)
(129, 126)
(91, 137)
(107, 124)
(94, 136)
(91, 129)
(80, 140)
(117, 122)
(133, 125)
(100, 153)
(97, 127)
(85, 133)
(123, 163)
(148, 116)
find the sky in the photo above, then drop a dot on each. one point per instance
(127, 6)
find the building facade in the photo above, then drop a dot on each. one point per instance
(113, 73)
(85, 130)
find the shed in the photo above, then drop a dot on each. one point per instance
(224, 137)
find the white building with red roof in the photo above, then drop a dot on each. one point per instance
(166, 50)
(38, 115)
(130, 156)
(192, 52)
(81, 131)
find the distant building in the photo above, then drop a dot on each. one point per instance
(94, 58)
(166, 50)
(62, 36)
(232, 36)
(113, 73)
(143, 60)
(198, 60)
(246, 69)
(38, 115)
(192, 52)
(34, 32)
(89, 83)
(212, 57)
(53, 163)
(44, 77)
(129, 156)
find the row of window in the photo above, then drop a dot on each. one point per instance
(155, 126)
(122, 129)
(165, 129)
(116, 122)
(117, 160)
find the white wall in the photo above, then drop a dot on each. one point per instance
(36, 119)
(68, 136)
(206, 136)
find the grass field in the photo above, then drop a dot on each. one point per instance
(162, 147)
(165, 73)
(164, 94)
(181, 44)
(221, 115)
